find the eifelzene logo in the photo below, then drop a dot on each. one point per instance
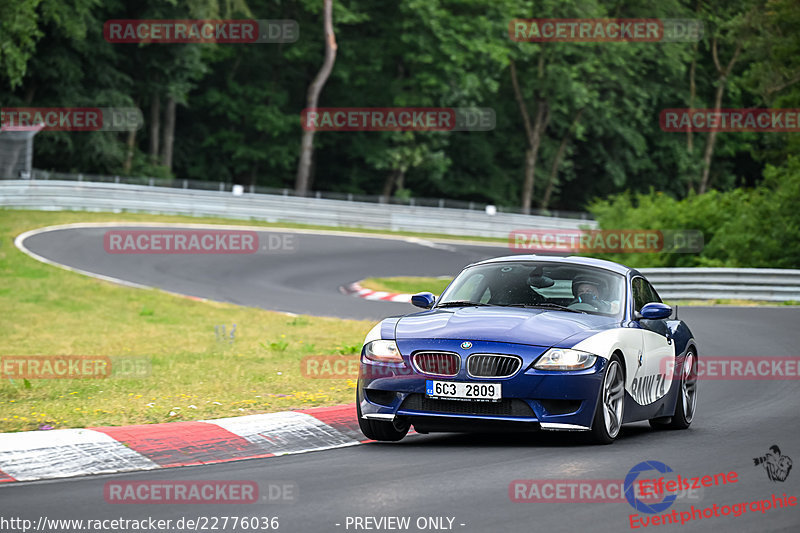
(777, 466)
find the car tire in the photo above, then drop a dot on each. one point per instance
(380, 430)
(610, 409)
(685, 400)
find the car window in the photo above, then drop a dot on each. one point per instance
(539, 283)
(652, 294)
(562, 288)
(486, 296)
(468, 290)
(640, 293)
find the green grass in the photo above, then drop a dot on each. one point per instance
(192, 375)
(407, 284)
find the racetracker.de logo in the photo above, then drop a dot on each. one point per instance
(181, 492)
(168, 241)
(398, 119)
(73, 367)
(739, 368)
(738, 120)
(584, 491)
(55, 367)
(347, 367)
(544, 30)
(605, 241)
(201, 31)
(73, 118)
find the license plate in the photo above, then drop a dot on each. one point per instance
(457, 390)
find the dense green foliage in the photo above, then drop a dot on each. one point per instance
(238, 105)
(757, 227)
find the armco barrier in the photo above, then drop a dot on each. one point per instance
(91, 196)
(770, 284)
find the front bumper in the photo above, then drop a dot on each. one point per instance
(531, 399)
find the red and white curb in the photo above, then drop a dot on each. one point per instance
(59, 453)
(355, 289)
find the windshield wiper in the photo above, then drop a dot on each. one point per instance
(463, 303)
(550, 305)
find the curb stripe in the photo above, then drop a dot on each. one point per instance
(32, 440)
(286, 432)
(65, 452)
(32, 455)
(355, 289)
(342, 417)
(184, 443)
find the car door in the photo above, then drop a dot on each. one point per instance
(653, 377)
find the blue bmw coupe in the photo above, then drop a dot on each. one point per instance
(530, 343)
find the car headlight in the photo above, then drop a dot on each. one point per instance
(565, 359)
(383, 352)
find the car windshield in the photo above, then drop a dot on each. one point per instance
(538, 284)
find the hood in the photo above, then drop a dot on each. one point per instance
(536, 327)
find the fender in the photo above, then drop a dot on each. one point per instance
(625, 340)
(681, 335)
(666, 405)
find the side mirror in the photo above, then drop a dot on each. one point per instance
(423, 299)
(656, 311)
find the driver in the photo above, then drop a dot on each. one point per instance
(588, 290)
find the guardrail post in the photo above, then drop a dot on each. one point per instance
(441, 203)
(150, 182)
(286, 192)
(116, 179)
(221, 186)
(80, 177)
(252, 188)
(185, 184)
(349, 197)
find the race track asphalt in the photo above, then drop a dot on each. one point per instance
(303, 279)
(464, 477)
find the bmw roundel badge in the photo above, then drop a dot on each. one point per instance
(466, 345)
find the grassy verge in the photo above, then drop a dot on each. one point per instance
(193, 373)
(407, 285)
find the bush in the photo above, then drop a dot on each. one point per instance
(766, 232)
(741, 228)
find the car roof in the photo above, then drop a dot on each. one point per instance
(571, 260)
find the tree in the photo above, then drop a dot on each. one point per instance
(22, 25)
(734, 32)
(314, 90)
